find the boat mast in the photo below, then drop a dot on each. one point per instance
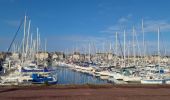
(37, 40)
(45, 45)
(34, 49)
(144, 49)
(31, 47)
(138, 53)
(158, 50)
(124, 49)
(28, 37)
(37, 45)
(134, 46)
(110, 51)
(128, 53)
(89, 52)
(23, 47)
(116, 49)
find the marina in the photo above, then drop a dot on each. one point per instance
(84, 50)
(32, 64)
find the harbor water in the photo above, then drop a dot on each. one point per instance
(68, 76)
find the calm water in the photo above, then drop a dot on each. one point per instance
(68, 76)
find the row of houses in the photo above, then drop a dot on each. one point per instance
(77, 56)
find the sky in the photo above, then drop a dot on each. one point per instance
(70, 24)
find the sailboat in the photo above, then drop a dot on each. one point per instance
(27, 65)
(156, 78)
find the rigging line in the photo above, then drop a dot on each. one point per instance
(15, 35)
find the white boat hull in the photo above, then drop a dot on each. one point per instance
(152, 81)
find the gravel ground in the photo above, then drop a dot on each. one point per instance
(85, 93)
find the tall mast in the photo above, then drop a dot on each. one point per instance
(45, 45)
(89, 48)
(124, 48)
(110, 48)
(37, 46)
(134, 45)
(24, 33)
(23, 47)
(28, 37)
(116, 48)
(158, 50)
(31, 47)
(158, 40)
(144, 47)
(34, 49)
(89, 51)
(37, 40)
(44, 48)
(143, 38)
(128, 53)
(31, 42)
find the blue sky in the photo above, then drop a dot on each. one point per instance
(75, 23)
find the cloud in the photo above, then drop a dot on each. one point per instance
(78, 38)
(79, 41)
(123, 23)
(125, 19)
(112, 29)
(153, 25)
(150, 26)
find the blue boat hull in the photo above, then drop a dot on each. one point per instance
(42, 80)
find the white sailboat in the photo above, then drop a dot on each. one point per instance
(156, 79)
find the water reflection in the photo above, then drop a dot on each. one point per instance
(68, 76)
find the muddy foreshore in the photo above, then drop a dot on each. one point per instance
(86, 92)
